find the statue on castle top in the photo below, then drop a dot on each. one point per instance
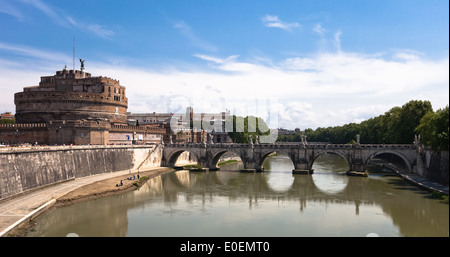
(82, 63)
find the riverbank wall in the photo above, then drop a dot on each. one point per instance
(25, 169)
(437, 164)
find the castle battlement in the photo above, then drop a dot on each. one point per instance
(4, 127)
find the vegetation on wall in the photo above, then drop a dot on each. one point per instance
(7, 121)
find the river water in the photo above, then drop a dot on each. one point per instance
(273, 203)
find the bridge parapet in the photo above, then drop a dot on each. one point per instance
(295, 144)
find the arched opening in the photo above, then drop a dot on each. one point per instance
(277, 161)
(227, 160)
(278, 168)
(387, 163)
(182, 158)
(329, 172)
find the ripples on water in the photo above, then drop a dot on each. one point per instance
(273, 203)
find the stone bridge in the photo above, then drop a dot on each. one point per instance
(302, 154)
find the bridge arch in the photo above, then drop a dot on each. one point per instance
(267, 153)
(172, 158)
(217, 154)
(343, 156)
(406, 162)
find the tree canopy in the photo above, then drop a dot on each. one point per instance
(244, 127)
(397, 126)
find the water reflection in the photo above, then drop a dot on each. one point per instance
(273, 203)
(278, 172)
(329, 175)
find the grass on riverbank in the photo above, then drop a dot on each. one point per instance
(226, 162)
(436, 195)
(141, 181)
(192, 166)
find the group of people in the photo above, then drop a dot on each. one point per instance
(128, 178)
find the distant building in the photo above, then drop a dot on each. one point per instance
(282, 131)
(184, 132)
(148, 118)
(7, 116)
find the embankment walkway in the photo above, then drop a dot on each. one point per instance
(18, 209)
(424, 183)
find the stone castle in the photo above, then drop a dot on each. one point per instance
(73, 107)
(72, 95)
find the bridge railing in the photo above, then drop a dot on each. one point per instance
(297, 145)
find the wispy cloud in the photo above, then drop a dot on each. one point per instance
(273, 21)
(337, 38)
(7, 8)
(97, 29)
(216, 59)
(48, 11)
(189, 33)
(59, 17)
(319, 29)
(33, 53)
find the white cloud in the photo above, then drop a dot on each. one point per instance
(273, 21)
(323, 90)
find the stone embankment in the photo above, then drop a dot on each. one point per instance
(30, 168)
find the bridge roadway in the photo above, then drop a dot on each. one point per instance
(302, 154)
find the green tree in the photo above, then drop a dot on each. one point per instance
(395, 126)
(434, 129)
(251, 126)
(410, 116)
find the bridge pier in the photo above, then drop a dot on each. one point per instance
(303, 172)
(357, 168)
(302, 167)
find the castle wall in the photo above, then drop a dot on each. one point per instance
(34, 107)
(11, 134)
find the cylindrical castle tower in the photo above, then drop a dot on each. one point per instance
(72, 95)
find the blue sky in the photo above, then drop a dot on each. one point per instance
(312, 63)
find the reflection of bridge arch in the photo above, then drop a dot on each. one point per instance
(405, 160)
(304, 186)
